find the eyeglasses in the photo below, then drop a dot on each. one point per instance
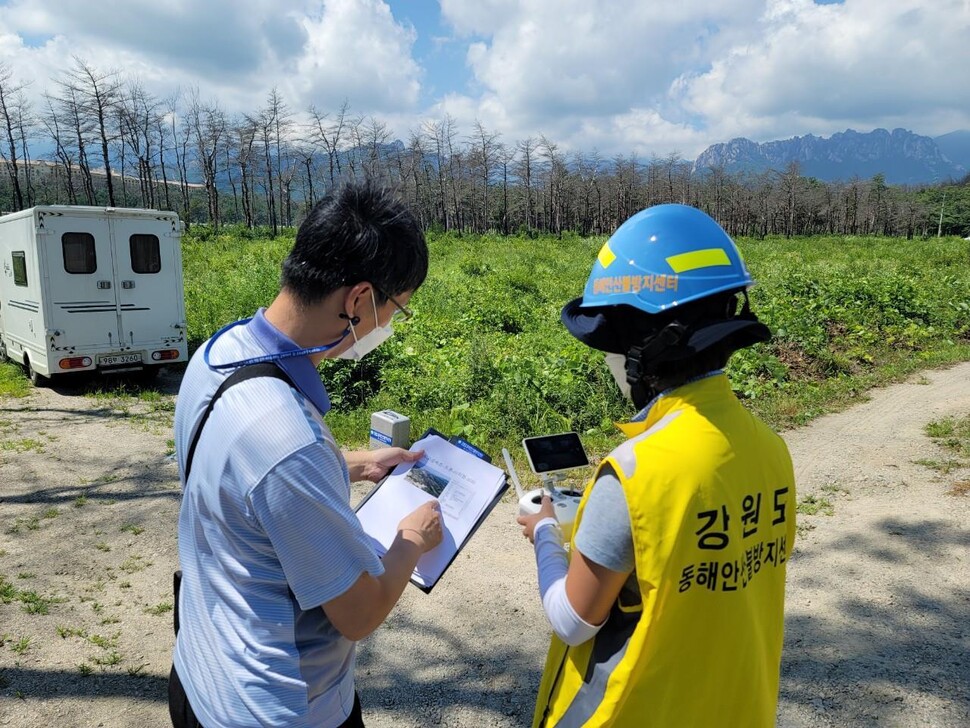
(402, 312)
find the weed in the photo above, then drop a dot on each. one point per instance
(21, 646)
(80, 501)
(134, 564)
(34, 603)
(132, 529)
(23, 445)
(110, 620)
(31, 524)
(84, 668)
(8, 592)
(952, 434)
(124, 585)
(944, 467)
(812, 505)
(102, 546)
(105, 643)
(26, 575)
(51, 513)
(160, 608)
(138, 670)
(111, 658)
(65, 632)
(962, 488)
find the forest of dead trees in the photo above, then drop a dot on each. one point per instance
(101, 138)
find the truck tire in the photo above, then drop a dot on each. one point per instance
(3, 351)
(35, 377)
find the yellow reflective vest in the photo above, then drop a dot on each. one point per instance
(711, 495)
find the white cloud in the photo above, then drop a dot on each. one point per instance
(357, 51)
(678, 76)
(821, 69)
(570, 67)
(619, 75)
(234, 51)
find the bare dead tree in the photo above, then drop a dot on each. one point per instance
(527, 151)
(486, 145)
(208, 125)
(62, 152)
(330, 135)
(11, 108)
(98, 93)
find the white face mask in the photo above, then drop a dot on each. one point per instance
(617, 365)
(366, 344)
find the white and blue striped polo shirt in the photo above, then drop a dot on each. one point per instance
(266, 536)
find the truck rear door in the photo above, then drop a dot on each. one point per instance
(149, 293)
(81, 281)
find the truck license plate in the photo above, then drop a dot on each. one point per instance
(116, 359)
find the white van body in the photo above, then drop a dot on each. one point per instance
(91, 288)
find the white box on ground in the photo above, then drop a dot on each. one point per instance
(389, 429)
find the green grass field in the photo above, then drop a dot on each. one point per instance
(486, 356)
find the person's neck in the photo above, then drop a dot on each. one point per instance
(306, 326)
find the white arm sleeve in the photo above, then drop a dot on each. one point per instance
(552, 567)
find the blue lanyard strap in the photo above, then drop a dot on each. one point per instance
(264, 357)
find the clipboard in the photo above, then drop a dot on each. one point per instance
(490, 506)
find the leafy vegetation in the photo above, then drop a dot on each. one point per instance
(486, 356)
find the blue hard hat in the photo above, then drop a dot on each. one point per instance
(665, 256)
(658, 260)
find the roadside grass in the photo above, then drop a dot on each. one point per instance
(952, 435)
(141, 406)
(31, 601)
(13, 381)
(813, 505)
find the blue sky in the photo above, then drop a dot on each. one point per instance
(617, 76)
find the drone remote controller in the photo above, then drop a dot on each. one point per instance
(565, 502)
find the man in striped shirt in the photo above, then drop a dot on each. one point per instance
(279, 580)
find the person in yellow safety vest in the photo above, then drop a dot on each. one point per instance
(669, 610)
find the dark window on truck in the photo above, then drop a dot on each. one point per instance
(79, 254)
(19, 268)
(145, 254)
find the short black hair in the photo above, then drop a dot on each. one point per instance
(358, 232)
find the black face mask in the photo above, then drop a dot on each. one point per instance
(651, 366)
(668, 344)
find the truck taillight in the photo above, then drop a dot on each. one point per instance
(165, 354)
(75, 362)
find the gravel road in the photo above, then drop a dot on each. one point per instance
(878, 619)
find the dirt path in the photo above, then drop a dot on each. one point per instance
(878, 606)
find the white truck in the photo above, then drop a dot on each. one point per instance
(91, 289)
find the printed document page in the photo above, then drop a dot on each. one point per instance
(463, 484)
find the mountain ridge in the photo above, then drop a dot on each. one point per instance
(900, 155)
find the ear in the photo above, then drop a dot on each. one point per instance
(352, 297)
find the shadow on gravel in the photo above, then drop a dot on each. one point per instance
(497, 685)
(879, 657)
(53, 684)
(114, 485)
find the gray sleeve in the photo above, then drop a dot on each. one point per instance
(604, 534)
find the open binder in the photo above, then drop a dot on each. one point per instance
(455, 472)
